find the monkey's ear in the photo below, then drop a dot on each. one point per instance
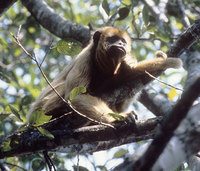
(96, 36)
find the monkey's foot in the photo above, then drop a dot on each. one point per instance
(130, 116)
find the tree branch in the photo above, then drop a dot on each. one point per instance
(155, 102)
(194, 163)
(57, 25)
(186, 139)
(185, 142)
(185, 40)
(167, 130)
(31, 140)
(5, 5)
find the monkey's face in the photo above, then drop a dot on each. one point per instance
(115, 42)
(112, 47)
(115, 46)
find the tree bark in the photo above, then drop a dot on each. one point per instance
(57, 25)
(5, 5)
(31, 140)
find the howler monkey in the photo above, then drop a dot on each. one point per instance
(110, 74)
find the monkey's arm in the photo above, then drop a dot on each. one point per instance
(157, 64)
(160, 63)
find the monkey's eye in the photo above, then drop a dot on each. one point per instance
(123, 40)
(114, 39)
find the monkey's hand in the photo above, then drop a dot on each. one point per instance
(170, 62)
(161, 54)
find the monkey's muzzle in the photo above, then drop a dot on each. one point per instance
(116, 51)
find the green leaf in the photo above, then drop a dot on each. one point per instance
(45, 132)
(5, 146)
(69, 47)
(15, 112)
(26, 100)
(129, 2)
(13, 76)
(116, 116)
(3, 42)
(145, 15)
(123, 13)
(105, 6)
(197, 2)
(38, 118)
(3, 116)
(76, 91)
(37, 164)
(23, 128)
(120, 153)
(4, 77)
(162, 35)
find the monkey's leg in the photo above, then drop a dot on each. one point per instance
(93, 107)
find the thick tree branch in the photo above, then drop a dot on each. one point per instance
(185, 142)
(185, 40)
(186, 139)
(103, 145)
(57, 25)
(155, 102)
(32, 140)
(167, 130)
(194, 163)
(5, 5)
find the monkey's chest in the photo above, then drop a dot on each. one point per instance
(114, 90)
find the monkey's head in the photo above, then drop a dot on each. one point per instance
(112, 46)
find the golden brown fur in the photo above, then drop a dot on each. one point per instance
(110, 73)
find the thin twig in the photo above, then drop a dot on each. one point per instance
(18, 42)
(47, 51)
(71, 10)
(135, 25)
(143, 39)
(185, 19)
(48, 161)
(78, 160)
(163, 81)
(20, 27)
